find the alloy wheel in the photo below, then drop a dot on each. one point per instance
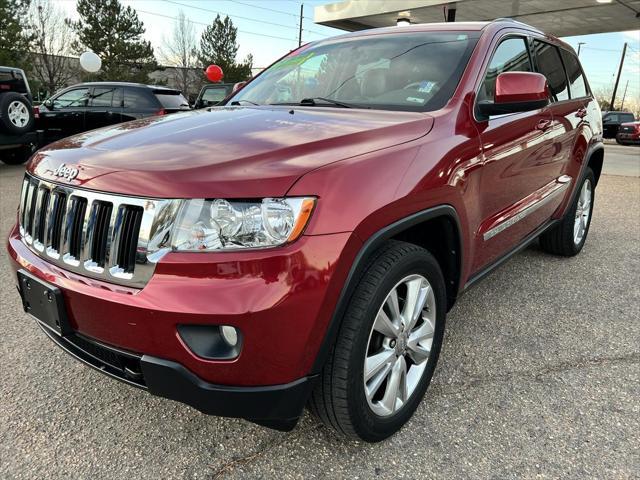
(399, 345)
(583, 212)
(18, 114)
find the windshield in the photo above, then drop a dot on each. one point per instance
(408, 71)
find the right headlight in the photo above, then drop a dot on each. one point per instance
(211, 225)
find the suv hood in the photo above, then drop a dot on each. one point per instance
(228, 152)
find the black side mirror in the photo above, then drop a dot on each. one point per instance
(49, 104)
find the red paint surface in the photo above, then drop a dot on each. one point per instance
(368, 169)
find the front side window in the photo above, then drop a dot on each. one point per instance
(403, 71)
(72, 99)
(510, 56)
(550, 65)
(577, 84)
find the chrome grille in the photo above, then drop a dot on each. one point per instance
(114, 238)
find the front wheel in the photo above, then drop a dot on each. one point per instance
(387, 347)
(568, 237)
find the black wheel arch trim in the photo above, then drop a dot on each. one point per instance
(357, 268)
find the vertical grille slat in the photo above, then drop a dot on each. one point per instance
(98, 230)
(43, 211)
(126, 255)
(76, 225)
(55, 222)
(95, 234)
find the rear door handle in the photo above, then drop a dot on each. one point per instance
(543, 125)
(581, 113)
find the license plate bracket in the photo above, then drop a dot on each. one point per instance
(44, 302)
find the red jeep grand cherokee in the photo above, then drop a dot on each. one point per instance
(303, 243)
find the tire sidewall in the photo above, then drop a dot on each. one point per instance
(369, 425)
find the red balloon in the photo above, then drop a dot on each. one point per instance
(214, 73)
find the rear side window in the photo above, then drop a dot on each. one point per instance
(102, 97)
(78, 97)
(510, 56)
(136, 99)
(577, 84)
(550, 65)
(171, 99)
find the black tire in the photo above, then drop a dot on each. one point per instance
(338, 399)
(560, 239)
(9, 99)
(17, 156)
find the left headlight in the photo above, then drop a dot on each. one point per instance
(209, 225)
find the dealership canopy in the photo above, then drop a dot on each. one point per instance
(560, 18)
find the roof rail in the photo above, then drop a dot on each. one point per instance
(509, 19)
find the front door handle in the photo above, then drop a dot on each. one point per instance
(543, 125)
(581, 113)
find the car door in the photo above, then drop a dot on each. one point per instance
(103, 110)
(610, 123)
(517, 150)
(64, 113)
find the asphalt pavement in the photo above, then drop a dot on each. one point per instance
(539, 377)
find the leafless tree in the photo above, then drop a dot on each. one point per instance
(52, 65)
(181, 52)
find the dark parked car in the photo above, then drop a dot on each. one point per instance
(18, 137)
(212, 94)
(629, 134)
(611, 122)
(87, 106)
(304, 247)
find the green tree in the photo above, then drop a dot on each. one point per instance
(218, 46)
(114, 33)
(15, 35)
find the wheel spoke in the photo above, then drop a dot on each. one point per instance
(395, 387)
(377, 380)
(417, 294)
(393, 304)
(385, 326)
(377, 362)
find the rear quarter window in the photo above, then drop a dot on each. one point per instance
(171, 99)
(136, 99)
(577, 83)
(626, 117)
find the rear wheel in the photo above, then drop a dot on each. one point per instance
(568, 237)
(387, 347)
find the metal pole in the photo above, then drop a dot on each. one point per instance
(624, 95)
(580, 45)
(300, 29)
(615, 87)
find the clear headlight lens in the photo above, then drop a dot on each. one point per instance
(230, 224)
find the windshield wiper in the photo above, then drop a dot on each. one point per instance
(312, 101)
(237, 102)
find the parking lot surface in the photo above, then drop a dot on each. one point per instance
(539, 378)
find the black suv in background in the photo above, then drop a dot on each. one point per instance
(611, 122)
(87, 106)
(18, 137)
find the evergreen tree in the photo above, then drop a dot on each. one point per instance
(218, 46)
(15, 35)
(114, 33)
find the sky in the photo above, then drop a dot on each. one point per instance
(269, 28)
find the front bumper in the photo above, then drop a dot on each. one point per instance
(280, 299)
(277, 406)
